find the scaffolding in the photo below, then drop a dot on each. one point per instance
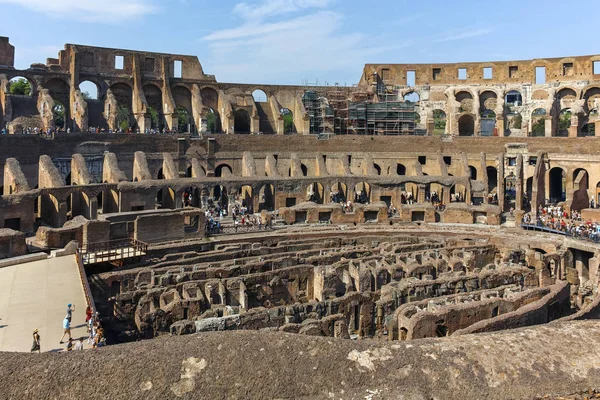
(385, 118)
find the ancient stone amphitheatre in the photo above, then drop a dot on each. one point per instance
(424, 234)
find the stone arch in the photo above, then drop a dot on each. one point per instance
(289, 126)
(473, 172)
(513, 98)
(315, 193)
(488, 100)
(538, 122)
(91, 90)
(266, 198)
(492, 175)
(564, 123)
(362, 193)
(412, 97)
(377, 168)
(465, 99)
(241, 121)
(513, 123)
(185, 121)
(592, 98)
(154, 99)
(439, 122)
(400, 169)
(260, 96)
(466, 125)
(339, 192)
(488, 123)
(557, 185)
(210, 99)
(60, 92)
(18, 87)
(223, 171)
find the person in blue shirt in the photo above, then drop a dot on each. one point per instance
(66, 329)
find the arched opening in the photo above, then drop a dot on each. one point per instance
(439, 122)
(90, 90)
(565, 98)
(259, 96)
(513, 98)
(513, 123)
(580, 198)
(100, 202)
(21, 86)
(339, 193)
(266, 198)
(528, 194)
(184, 120)
(314, 193)
(488, 123)
(210, 99)
(303, 168)
(188, 172)
(588, 129)
(288, 121)
(220, 196)
(59, 115)
(362, 193)
(466, 125)
(412, 97)
(492, 175)
(154, 99)
(558, 192)
(223, 171)
(598, 195)
(538, 122)
(403, 333)
(377, 168)
(400, 169)
(564, 123)
(160, 174)
(466, 101)
(183, 99)
(241, 121)
(473, 172)
(510, 191)
(244, 197)
(124, 96)
(60, 92)
(441, 330)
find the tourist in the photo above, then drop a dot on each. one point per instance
(79, 344)
(70, 309)
(88, 314)
(70, 344)
(66, 329)
(36, 342)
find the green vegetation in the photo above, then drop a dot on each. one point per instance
(564, 122)
(86, 95)
(153, 117)
(183, 119)
(517, 121)
(20, 86)
(439, 122)
(538, 127)
(123, 117)
(211, 122)
(58, 113)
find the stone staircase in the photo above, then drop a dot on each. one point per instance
(268, 122)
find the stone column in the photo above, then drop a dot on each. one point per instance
(519, 184)
(548, 126)
(500, 126)
(421, 194)
(501, 182)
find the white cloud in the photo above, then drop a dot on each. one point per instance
(108, 11)
(270, 8)
(305, 46)
(466, 34)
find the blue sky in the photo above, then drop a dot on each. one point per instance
(289, 41)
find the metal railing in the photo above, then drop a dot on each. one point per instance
(592, 237)
(87, 291)
(113, 250)
(234, 229)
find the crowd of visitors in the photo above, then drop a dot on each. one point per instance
(557, 218)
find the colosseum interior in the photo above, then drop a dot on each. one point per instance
(429, 232)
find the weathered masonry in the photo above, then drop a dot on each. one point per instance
(142, 91)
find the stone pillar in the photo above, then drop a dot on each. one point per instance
(421, 194)
(430, 126)
(519, 184)
(446, 195)
(500, 126)
(501, 182)
(93, 208)
(548, 127)
(574, 125)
